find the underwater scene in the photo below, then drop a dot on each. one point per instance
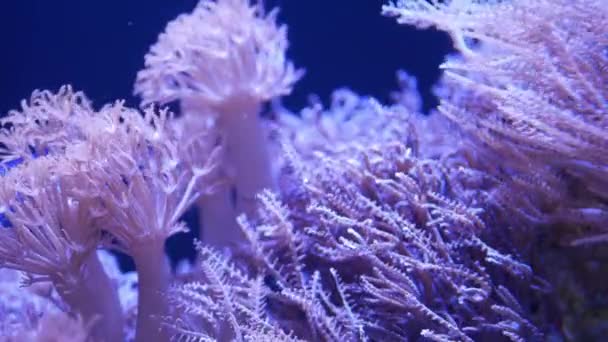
(321, 170)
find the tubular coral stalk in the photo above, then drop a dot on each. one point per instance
(248, 166)
(154, 276)
(246, 153)
(225, 58)
(95, 299)
(218, 224)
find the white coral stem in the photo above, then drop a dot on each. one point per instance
(246, 153)
(153, 276)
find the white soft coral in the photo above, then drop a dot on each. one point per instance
(222, 61)
(51, 233)
(222, 51)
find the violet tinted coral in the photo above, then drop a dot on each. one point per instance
(359, 221)
(26, 315)
(534, 92)
(398, 230)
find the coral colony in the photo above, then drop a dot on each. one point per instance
(359, 221)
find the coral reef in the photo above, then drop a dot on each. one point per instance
(353, 221)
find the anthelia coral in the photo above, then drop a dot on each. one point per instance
(357, 221)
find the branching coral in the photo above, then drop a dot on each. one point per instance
(528, 91)
(369, 240)
(530, 84)
(400, 231)
(223, 305)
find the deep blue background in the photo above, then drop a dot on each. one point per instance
(98, 47)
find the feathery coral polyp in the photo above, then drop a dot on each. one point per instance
(145, 183)
(224, 51)
(53, 234)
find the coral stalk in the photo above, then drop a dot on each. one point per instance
(246, 153)
(248, 166)
(217, 224)
(154, 277)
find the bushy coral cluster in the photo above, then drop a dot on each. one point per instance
(359, 221)
(79, 179)
(529, 84)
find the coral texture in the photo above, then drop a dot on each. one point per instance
(353, 221)
(529, 84)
